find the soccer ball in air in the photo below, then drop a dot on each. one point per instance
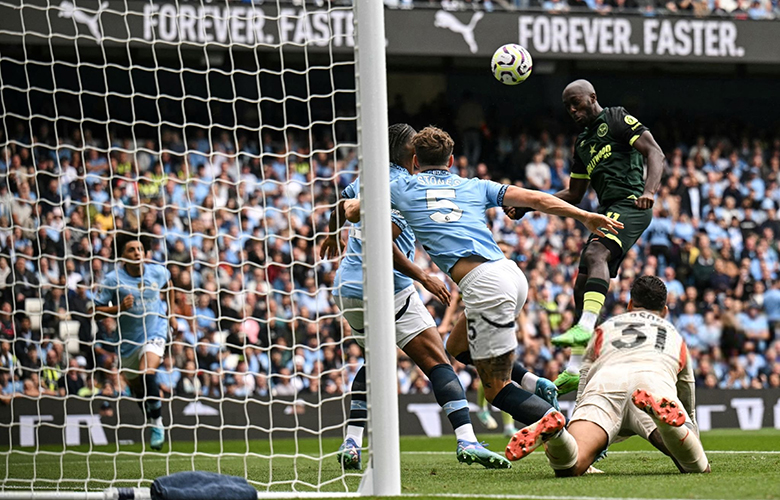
(511, 64)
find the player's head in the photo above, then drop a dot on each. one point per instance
(129, 248)
(400, 140)
(649, 293)
(432, 148)
(579, 99)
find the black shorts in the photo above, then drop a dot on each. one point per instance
(635, 222)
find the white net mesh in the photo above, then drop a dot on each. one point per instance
(220, 133)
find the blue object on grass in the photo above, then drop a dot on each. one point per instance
(197, 485)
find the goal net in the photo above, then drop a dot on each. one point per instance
(220, 134)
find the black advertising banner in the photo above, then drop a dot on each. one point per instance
(409, 32)
(76, 421)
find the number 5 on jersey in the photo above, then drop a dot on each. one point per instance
(440, 199)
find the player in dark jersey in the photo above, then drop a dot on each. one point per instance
(609, 155)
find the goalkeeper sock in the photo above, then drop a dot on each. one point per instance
(575, 360)
(684, 445)
(450, 396)
(561, 451)
(595, 294)
(524, 406)
(152, 400)
(358, 407)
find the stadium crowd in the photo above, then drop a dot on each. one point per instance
(238, 221)
(736, 9)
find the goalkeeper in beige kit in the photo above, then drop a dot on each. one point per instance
(636, 379)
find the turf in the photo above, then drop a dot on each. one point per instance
(429, 469)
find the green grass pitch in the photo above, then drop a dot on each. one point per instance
(745, 465)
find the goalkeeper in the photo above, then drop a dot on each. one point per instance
(133, 292)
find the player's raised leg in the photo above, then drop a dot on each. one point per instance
(595, 257)
(524, 407)
(458, 347)
(677, 432)
(569, 379)
(427, 351)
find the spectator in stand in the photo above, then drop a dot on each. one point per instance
(538, 174)
(755, 325)
(167, 377)
(772, 308)
(73, 380)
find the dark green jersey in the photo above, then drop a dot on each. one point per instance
(604, 154)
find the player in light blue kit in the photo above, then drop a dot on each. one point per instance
(132, 292)
(415, 329)
(447, 213)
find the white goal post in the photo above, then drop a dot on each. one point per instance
(221, 134)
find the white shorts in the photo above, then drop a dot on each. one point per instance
(494, 294)
(411, 316)
(131, 363)
(606, 401)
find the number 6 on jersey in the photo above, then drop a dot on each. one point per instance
(440, 199)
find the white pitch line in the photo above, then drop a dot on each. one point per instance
(153, 458)
(527, 497)
(633, 452)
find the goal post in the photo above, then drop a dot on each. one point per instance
(222, 133)
(374, 154)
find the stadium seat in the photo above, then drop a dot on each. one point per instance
(34, 310)
(69, 333)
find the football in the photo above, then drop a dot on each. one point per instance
(511, 64)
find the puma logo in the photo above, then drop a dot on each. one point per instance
(69, 10)
(447, 20)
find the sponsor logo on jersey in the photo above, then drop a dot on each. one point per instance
(602, 130)
(605, 152)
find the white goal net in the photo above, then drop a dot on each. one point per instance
(220, 133)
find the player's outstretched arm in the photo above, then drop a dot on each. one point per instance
(572, 194)
(402, 263)
(537, 200)
(650, 149)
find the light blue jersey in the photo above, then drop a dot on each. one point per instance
(447, 213)
(349, 277)
(146, 319)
